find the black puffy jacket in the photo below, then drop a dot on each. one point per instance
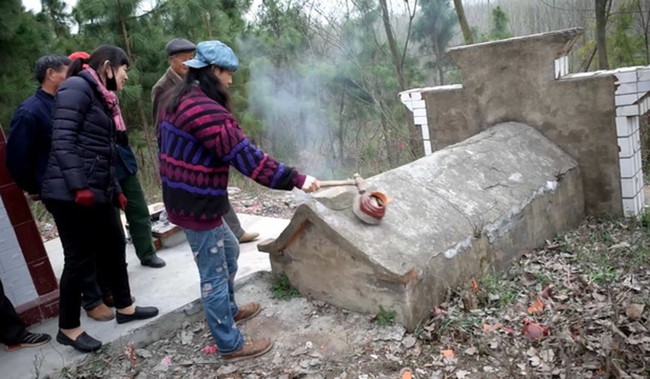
(83, 144)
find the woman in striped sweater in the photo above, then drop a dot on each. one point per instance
(199, 140)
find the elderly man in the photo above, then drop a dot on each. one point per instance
(180, 50)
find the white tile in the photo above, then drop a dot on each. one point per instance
(12, 259)
(16, 278)
(628, 166)
(8, 239)
(636, 139)
(638, 161)
(644, 104)
(419, 104)
(626, 77)
(641, 199)
(631, 207)
(5, 223)
(626, 99)
(425, 132)
(626, 88)
(416, 95)
(626, 146)
(421, 112)
(643, 74)
(643, 86)
(629, 187)
(639, 181)
(420, 120)
(626, 125)
(427, 148)
(25, 294)
(627, 110)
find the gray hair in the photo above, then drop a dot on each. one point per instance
(53, 61)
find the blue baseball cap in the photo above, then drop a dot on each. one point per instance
(214, 53)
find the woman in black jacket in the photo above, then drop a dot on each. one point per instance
(81, 191)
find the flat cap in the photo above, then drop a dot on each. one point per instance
(179, 45)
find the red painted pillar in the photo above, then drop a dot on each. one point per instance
(46, 305)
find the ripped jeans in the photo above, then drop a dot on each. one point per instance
(215, 253)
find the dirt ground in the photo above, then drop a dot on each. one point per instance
(576, 308)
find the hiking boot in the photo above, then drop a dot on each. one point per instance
(247, 311)
(251, 349)
(30, 340)
(248, 237)
(101, 313)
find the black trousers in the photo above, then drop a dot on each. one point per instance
(12, 328)
(91, 238)
(94, 288)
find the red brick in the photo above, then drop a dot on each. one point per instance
(30, 242)
(43, 276)
(16, 204)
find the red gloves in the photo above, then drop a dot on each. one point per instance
(84, 197)
(121, 200)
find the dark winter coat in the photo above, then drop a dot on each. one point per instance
(83, 144)
(28, 146)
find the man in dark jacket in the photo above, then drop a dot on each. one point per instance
(180, 50)
(28, 149)
(30, 131)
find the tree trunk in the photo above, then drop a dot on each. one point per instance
(148, 135)
(392, 45)
(414, 135)
(601, 33)
(462, 20)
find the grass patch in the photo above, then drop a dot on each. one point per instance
(497, 285)
(282, 289)
(386, 317)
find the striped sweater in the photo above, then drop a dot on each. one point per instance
(197, 145)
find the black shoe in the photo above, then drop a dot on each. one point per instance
(155, 262)
(30, 340)
(140, 313)
(83, 343)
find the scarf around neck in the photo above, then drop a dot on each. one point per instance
(110, 99)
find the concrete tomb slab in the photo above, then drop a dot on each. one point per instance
(467, 208)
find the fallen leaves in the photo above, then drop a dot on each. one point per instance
(536, 307)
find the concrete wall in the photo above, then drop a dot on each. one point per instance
(514, 80)
(468, 208)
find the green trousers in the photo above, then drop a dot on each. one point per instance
(137, 216)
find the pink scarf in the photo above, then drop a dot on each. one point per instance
(110, 99)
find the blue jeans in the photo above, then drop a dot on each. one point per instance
(215, 253)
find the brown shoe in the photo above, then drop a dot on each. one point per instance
(251, 349)
(101, 313)
(248, 237)
(247, 311)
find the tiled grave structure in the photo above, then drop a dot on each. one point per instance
(518, 153)
(630, 97)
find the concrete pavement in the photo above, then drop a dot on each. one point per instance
(174, 289)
